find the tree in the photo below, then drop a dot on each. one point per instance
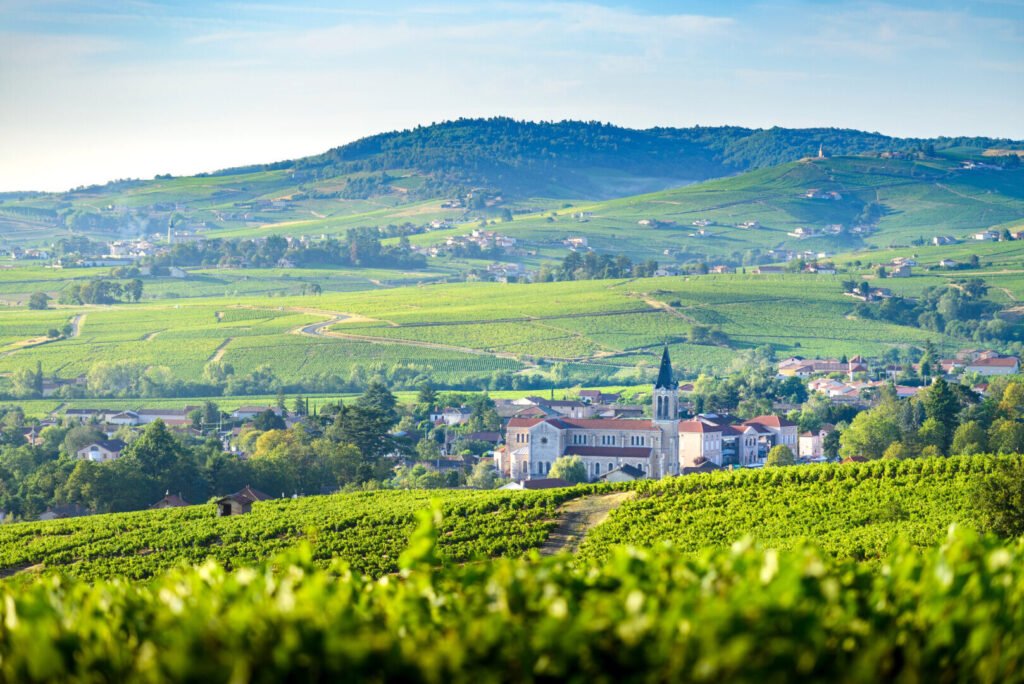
(484, 476)
(941, 404)
(427, 449)
(134, 290)
(268, 420)
(569, 468)
(831, 444)
(780, 455)
(999, 500)
(39, 300)
(897, 451)
(80, 437)
(870, 434)
(968, 439)
(1006, 437)
(156, 450)
(933, 433)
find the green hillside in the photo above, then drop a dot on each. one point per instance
(487, 164)
(854, 510)
(895, 201)
(601, 331)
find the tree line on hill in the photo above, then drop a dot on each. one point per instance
(958, 309)
(532, 158)
(341, 446)
(360, 247)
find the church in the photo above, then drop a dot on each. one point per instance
(659, 447)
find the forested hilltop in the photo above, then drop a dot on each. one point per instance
(591, 159)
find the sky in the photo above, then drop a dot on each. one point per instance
(92, 91)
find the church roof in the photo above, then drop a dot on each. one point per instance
(665, 378)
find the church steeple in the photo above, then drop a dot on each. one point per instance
(665, 377)
(666, 394)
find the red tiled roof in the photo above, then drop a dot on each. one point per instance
(624, 452)
(698, 426)
(999, 362)
(770, 421)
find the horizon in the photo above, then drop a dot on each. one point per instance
(98, 93)
(242, 165)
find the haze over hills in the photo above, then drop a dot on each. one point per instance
(473, 169)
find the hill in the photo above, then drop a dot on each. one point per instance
(481, 164)
(854, 510)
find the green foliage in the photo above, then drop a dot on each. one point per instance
(367, 529)
(853, 510)
(569, 468)
(999, 499)
(952, 613)
(780, 455)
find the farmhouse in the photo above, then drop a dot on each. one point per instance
(104, 450)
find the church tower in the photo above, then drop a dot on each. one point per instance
(665, 410)
(666, 394)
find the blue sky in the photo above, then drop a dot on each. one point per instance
(91, 91)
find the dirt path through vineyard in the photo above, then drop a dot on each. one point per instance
(579, 516)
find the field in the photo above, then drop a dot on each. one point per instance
(730, 588)
(369, 530)
(462, 333)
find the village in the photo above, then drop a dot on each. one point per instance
(615, 440)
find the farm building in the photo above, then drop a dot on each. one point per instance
(240, 502)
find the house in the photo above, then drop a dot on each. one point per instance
(999, 365)
(812, 443)
(170, 417)
(170, 501)
(722, 269)
(541, 483)
(102, 451)
(940, 240)
(949, 263)
(901, 271)
(130, 418)
(176, 272)
(240, 502)
(575, 242)
(987, 236)
(250, 412)
(624, 473)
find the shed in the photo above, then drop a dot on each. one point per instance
(240, 502)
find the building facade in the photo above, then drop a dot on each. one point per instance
(659, 447)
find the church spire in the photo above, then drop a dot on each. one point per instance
(665, 378)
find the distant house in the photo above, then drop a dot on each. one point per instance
(949, 263)
(764, 270)
(170, 501)
(625, 473)
(102, 451)
(250, 412)
(240, 502)
(811, 444)
(1000, 365)
(986, 236)
(901, 271)
(722, 269)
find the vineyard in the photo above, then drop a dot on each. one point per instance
(853, 511)
(368, 530)
(951, 613)
(460, 334)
